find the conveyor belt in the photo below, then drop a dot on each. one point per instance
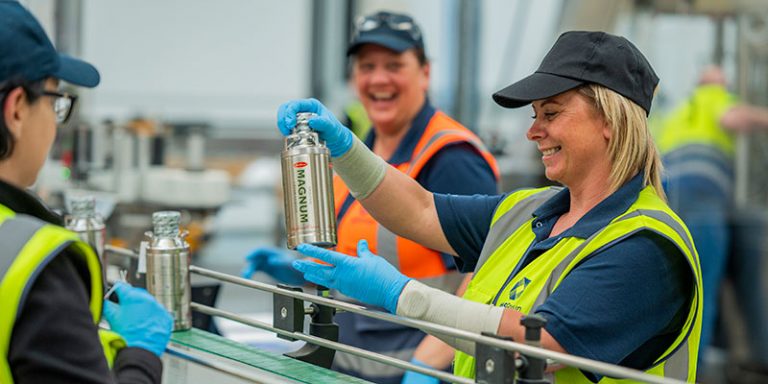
(278, 364)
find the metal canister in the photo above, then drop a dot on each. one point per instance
(310, 216)
(167, 262)
(89, 225)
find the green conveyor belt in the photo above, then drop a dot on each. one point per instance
(274, 363)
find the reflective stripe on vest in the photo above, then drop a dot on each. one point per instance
(704, 161)
(410, 258)
(533, 284)
(29, 244)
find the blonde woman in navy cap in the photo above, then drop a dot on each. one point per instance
(603, 259)
(51, 292)
(391, 74)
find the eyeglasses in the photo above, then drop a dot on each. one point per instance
(394, 22)
(63, 104)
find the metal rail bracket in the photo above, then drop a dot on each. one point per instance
(494, 365)
(287, 312)
(288, 315)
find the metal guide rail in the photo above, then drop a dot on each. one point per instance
(498, 360)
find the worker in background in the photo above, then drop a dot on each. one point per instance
(51, 292)
(697, 144)
(604, 260)
(391, 74)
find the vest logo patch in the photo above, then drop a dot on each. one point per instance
(518, 288)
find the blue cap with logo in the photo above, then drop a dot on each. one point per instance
(27, 54)
(395, 31)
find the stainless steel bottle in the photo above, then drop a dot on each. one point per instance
(308, 188)
(89, 225)
(167, 262)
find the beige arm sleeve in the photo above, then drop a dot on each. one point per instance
(361, 169)
(422, 302)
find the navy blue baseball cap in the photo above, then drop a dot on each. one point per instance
(395, 31)
(26, 52)
(580, 57)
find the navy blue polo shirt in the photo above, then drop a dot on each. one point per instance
(456, 169)
(624, 304)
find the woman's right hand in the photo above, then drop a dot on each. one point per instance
(337, 137)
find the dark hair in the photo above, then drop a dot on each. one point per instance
(421, 56)
(33, 90)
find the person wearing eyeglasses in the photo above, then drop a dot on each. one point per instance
(391, 75)
(611, 268)
(51, 290)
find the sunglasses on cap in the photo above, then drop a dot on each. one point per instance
(394, 22)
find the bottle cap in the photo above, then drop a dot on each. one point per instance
(83, 205)
(302, 121)
(166, 223)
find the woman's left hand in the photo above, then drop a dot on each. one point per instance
(368, 278)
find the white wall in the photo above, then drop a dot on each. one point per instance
(232, 62)
(515, 37)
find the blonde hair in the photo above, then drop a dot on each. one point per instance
(631, 147)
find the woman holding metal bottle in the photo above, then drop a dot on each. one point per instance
(604, 260)
(391, 75)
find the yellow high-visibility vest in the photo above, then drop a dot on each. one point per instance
(510, 236)
(27, 245)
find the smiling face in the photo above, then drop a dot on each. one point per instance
(392, 86)
(572, 138)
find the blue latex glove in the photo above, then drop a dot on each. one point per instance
(139, 319)
(368, 278)
(338, 138)
(411, 377)
(274, 262)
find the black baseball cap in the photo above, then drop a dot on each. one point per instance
(26, 53)
(395, 31)
(580, 57)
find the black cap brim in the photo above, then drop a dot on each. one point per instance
(77, 72)
(534, 87)
(385, 40)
